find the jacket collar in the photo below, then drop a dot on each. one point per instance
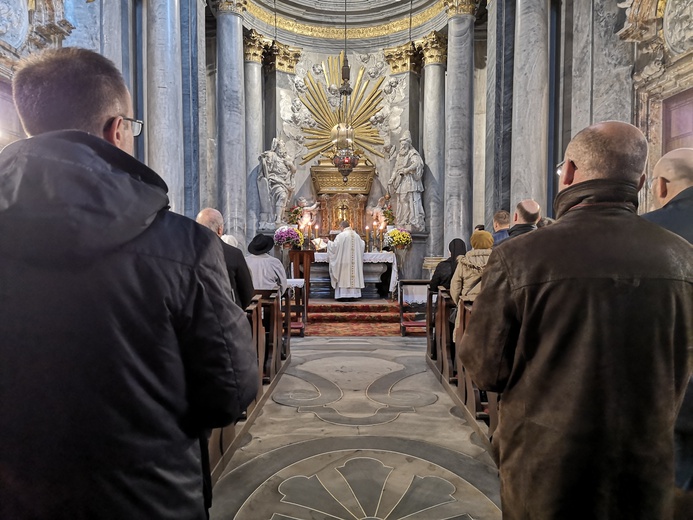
(596, 193)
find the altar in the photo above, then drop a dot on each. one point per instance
(379, 275)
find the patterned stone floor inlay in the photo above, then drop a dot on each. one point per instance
(359, 429)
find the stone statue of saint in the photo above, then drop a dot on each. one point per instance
(275, 183)
(406, 183)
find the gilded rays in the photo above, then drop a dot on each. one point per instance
(355, 110)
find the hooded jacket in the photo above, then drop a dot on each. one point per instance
(585, 327)
(119, 342)
(466, 281)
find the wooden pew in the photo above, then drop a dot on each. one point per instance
(409, 324)
(221, 439)
(253, 311)
(443, 331)
(285, 340)
(270, 301)
(430, 324)
(299, 305)
(469, 392)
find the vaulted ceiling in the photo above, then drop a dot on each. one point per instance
(370, 24)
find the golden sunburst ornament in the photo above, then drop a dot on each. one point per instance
(347, 124)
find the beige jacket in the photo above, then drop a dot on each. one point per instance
(466, 282)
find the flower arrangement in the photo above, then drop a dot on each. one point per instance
(288, 235)
(295, 215)
(389, 215)
(397, 238)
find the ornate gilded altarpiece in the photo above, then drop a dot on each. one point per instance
(663, 31)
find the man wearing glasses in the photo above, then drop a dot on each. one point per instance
(119, 343)
(585, 329)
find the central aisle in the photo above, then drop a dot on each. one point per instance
(359, 428)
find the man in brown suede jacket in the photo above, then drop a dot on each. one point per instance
(585, 327)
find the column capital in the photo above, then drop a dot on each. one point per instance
(404, 58)
(253, 46)
(232, 6)
(282, 57)
(456, 7)
(434, 47)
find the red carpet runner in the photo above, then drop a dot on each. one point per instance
(360, 318)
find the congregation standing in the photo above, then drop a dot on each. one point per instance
(124, 339)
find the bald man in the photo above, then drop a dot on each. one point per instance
(584, 328)
(672, 189)
(527, 214)
(239, 275)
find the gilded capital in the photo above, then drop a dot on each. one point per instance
(232, 6)
(253, 46)
(283, 58)
(456, 7)
(434, 48)
(404, 58)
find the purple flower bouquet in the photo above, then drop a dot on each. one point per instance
(288, 235)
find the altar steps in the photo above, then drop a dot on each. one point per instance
(360, 318)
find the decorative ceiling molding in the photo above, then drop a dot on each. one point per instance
(253, 46)
(434, 48)
(232, 6)
(641, 16)
(282, 57)
(337, 33)
(456, 7)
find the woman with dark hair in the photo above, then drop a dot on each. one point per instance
(445, 269)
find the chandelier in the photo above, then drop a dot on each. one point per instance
(345, 157)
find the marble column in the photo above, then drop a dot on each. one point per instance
(459, 120)
(434, 48)
(405, 65)
(231, 118)
(281, 68)
(499, 105)
(112, 30)
(253, 51)
(164, 118)
(530, 136)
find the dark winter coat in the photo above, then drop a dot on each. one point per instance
(676, 215)
(446, 268)
(239, 275)
(119, 343)
(584, 327)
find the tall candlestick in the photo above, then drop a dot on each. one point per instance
(368, 239)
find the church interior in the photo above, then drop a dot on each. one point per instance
(420, 117)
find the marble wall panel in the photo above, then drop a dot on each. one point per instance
(499, 106)
(530, 103)
(86, 18)
(479, 180)
(602, 65)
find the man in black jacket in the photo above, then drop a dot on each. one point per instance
(120, 344)
(239, 275)
(527, 214)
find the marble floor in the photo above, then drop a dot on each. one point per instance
(359, 428)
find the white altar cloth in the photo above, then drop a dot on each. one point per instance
(372, 258)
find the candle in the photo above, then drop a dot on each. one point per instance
(368, 238)
(309, 230)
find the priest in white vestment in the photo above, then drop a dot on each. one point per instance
(345, 255)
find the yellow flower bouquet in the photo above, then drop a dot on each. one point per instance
(398, 238)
